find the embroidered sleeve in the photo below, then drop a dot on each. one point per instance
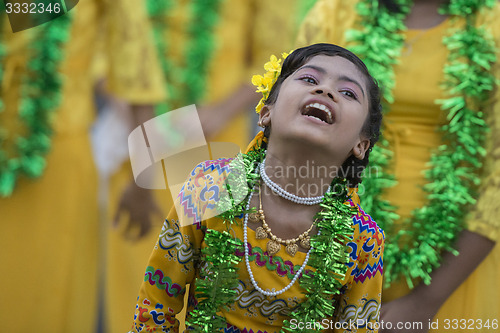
(169, 270)
(359, 306)
(484, 219)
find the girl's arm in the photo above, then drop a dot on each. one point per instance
(173, 263)
(170, 268)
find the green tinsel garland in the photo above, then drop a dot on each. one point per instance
(186, 82)
(40, 96)
(379, 45)
(303, 7)
(329, 257)
(205, 15)
(157, 12)
(453, 172)
(216, 288)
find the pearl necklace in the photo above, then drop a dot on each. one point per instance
(273, 292)
(285, 194)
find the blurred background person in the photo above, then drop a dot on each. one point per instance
(49, 215)
(408, 46)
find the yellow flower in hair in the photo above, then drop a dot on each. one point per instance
(265, 82)
(274, 65)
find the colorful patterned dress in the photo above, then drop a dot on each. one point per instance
(175, 262)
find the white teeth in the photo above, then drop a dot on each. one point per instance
(321, 107)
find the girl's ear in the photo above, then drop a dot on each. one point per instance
(360, 148)
(265, 116)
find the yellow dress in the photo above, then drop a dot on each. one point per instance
(411, 128)
(175, 262)
(49, 226)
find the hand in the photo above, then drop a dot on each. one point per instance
(411, 312)
(140, 206)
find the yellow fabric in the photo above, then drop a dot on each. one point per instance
(49, 226)
(484, 218)
(248, 33)
(173, 264)
(134, 70)
(228, 66)
(411, 126)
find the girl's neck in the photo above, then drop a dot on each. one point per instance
(305, 175)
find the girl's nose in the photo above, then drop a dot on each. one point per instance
(321, 91)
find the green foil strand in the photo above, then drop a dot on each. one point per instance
(40, 97)
(329, 256)
(218, 281)
(199, 51)
(158, 14)
(186, 81)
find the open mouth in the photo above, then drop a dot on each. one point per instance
(319, 111)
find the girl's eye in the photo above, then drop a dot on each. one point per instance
(308, 79)
(350, 94)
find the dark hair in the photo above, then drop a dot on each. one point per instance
(352, 166)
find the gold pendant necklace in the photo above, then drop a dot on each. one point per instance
(274, 244)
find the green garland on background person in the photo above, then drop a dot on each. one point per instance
(379, 46)
(157, 12)
(40, 97)
(328, 257)
(199, 50)
(415, 250)
(303, 7)
(186, 82)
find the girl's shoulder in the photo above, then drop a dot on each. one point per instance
(366, 247)
(207, 174)
(200, 194)
(218, 166)
(363, 223)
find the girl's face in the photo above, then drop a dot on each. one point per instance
(324, 103)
